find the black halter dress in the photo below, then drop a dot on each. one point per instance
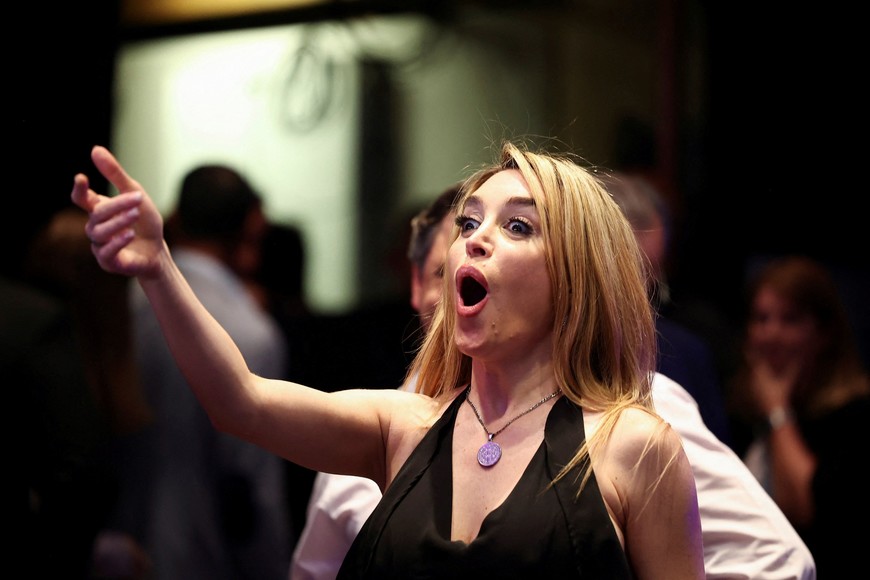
(538, 532)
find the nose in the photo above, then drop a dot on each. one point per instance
(479, 243)
(766, 330)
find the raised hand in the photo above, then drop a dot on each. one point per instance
(771, 386)
(126, 230)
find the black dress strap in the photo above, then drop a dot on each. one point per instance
(358, 558)
(597, 549)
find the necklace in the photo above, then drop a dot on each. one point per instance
(490, 452)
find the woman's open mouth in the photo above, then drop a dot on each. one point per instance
(472, 290)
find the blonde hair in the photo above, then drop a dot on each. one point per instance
(604, 339)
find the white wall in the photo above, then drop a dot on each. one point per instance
(216, 98)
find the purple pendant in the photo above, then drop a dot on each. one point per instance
(489, 454)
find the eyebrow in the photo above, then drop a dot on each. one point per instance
(516, 200)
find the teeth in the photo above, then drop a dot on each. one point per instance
(471, 291)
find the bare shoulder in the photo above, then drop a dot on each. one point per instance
(648, 487)
(636, 424)
(412, 416)
(641, 457)
(639, 438)
(411, 411)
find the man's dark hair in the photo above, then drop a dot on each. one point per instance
(214, 202)
(425, 224)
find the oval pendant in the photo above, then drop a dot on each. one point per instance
(489, 454)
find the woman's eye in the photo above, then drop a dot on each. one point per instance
(466, 223)
(519, 226)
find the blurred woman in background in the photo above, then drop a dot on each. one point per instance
(800, 405)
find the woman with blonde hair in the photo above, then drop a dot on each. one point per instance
(530, 448)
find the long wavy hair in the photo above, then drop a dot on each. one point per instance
(604, 335)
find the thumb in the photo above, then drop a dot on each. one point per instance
(82, 195)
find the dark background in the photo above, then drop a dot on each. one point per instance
(773, 168)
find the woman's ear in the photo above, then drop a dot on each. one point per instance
(416, 289)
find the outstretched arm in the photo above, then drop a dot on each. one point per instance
(297, 422)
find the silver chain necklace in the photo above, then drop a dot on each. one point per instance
(490, 452)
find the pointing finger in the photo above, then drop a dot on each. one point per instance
(112, 170)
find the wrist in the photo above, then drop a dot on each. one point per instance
(779, 417)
